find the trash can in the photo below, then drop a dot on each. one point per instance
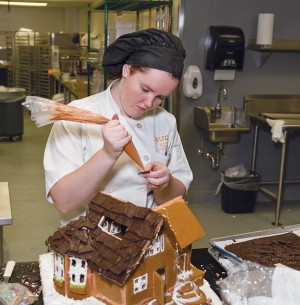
(239, 193)
(11, 112)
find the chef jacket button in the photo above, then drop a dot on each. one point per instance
(139, 125)
(146, 158)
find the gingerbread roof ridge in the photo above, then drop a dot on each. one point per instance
(183, 224)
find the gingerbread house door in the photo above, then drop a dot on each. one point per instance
(159, 288)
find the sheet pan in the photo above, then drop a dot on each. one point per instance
(226, 258)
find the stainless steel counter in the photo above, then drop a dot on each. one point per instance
(283, 107)
(5, 213)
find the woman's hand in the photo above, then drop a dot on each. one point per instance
(165, 187)
(159, 175)
(115, 137)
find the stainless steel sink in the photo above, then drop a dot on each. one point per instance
(227, 128)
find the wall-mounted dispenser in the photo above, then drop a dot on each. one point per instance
(192, 83)
(225, 51)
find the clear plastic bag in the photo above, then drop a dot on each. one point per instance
(254, 284)
(15, 294)
(237, 171)
(239, 178)
(247, 281)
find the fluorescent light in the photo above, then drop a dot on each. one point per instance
(13, 3)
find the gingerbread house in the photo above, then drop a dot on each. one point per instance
(121, 253)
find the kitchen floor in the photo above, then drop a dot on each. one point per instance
(34, 219)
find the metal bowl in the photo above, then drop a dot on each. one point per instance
(9, 95)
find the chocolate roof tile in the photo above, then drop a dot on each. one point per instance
(79, 222)
(56, 235)
(89, 224)
(63, 248)
(85, 248)
(82, 236)
(143, 230)
(74, 245)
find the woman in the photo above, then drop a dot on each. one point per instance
(82, 159)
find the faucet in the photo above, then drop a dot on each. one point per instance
(217, 111)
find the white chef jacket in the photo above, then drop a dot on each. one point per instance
(154, 135)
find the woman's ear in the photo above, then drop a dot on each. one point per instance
(126, 70)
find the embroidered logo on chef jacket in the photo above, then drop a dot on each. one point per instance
(161, 144)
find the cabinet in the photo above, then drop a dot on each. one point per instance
(283, 46)
(130, 6)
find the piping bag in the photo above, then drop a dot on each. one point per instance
(44, 112)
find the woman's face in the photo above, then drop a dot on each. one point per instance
(144, 90)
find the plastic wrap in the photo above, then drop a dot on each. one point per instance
(237, 171)
(15, 294)
(239, 178)
(254, 284)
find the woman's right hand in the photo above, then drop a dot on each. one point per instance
(115, 137)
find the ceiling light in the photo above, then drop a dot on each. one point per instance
(13, 3)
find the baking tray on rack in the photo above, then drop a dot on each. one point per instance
(227, 259)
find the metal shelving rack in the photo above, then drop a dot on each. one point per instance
(10, 70)
(131, 6)
(31, 61)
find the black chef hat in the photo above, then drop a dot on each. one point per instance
(151, 48)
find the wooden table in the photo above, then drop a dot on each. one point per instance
(5, 213)
(200, 258)
(75, 88)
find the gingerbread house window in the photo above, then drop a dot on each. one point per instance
(78, 272)
(109, 226)
(162, 272)
(157, 246)
(59, 267)
(140, 283)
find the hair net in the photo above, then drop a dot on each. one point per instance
(151, 48)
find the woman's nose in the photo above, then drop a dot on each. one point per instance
(149, 102)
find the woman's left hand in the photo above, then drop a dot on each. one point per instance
(159, 175)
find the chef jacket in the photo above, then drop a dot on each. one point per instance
(154, 134)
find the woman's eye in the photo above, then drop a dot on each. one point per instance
(145, 90)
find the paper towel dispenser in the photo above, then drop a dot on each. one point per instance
(225, 48)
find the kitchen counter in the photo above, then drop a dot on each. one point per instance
(292, 121)
(274, 107)
(75, 88)
(5, 213)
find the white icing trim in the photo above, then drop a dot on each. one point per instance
(103, 225)
(179, 300)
